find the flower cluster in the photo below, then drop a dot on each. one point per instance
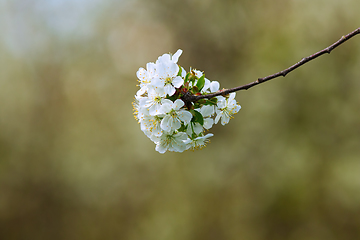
(163, 115)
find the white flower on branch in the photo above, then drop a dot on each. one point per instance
(167, 116)
(174, 116)
(174, 108)
(226, 107)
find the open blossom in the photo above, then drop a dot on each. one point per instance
(167, 58)
(194, 127)
(166, 75)
(199, 142)
(145, 75)
(153, 102)
(174, 116)
(163, 115)
(172, 142)
(167, 79)
(226, 108)
(207, 111)
(150, 125)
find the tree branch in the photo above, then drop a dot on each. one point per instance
(283, 73)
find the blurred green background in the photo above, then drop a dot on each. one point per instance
(75, 165)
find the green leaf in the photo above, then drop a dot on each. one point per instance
(212, 101)
(197, 105)
(180, 71)
(182, 128)
(172, 98)
(195, 89)
(201, 82)
(197, 117)
(187, 77)
(192, 77)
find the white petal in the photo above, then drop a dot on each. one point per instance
(169, 89)
(173, 69)
(167, 101)
(232, 96)
(218, 111)
(198, 73)
(160, 148)
(166, 107)
(176, 124)
(188, 142)
(176, 56)
(189, 130)
(151, 68)
(157, 130)
(155, 109)
(208, 123)
(221, 98)
(141, 74)
(209, 135)
(238, 107)
(166, 124)
(224, 119)
(162, 70)
(207, 110)
(198, 128)
(181, 136)
(183, 72)
(178, 82)
(157, 82)
(145, 102)
(165, 58)
(206, 85)
(221, 103)
(178, 104)
(179, 146)
(217, 118)
(185, 116)
(141, 91)
(214, 86)
(155, 139)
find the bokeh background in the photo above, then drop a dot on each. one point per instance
(75, 165)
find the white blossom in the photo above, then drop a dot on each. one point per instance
(163, 115)
(166, 78)
(174, 116)
(171, 142)
(167, 58)
(152, 102)
(207, 111)
(194, 127)
(214, 86)
(150, 125)
(197, 143)
(226, 107)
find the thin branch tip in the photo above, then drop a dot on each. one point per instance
(283, 73)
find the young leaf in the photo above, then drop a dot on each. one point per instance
(197, 117)
(195, 89)
(187, 77)
(180, 71)
(212, 101)
(201, 82)
(172, 98)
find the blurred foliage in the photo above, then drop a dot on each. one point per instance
(75, 165)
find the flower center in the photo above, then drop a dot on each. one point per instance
(173, 113)
(157, 99)
(168, 80)
(169, 139)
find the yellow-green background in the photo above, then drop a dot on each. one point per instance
(75, 165)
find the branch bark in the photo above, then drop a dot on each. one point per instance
(193, 98)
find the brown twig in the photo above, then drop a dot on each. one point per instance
(193, 98)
